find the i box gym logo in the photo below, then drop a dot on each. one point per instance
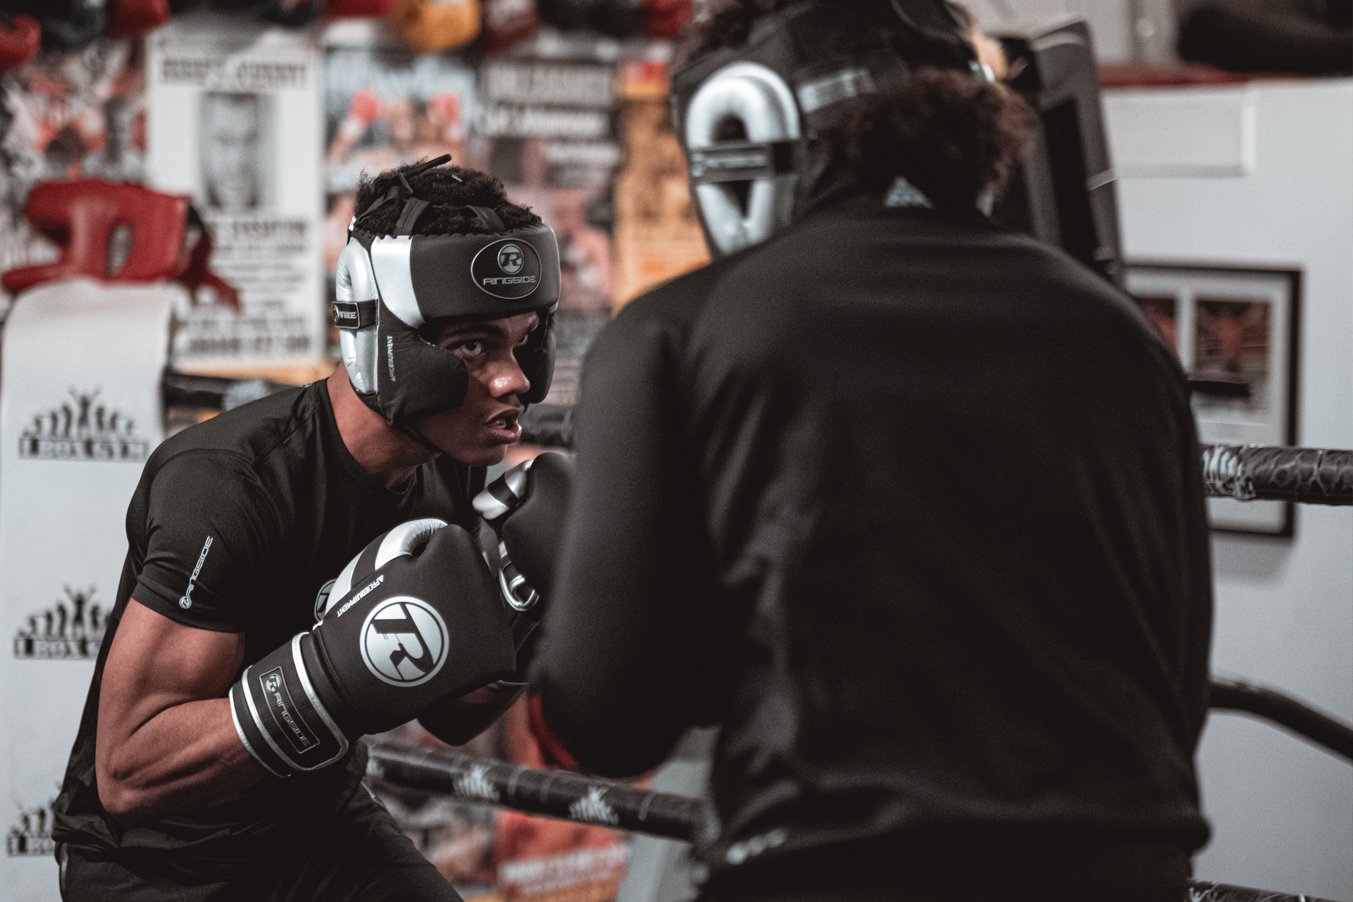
(31, 835)
(71, 629)
(83, 429)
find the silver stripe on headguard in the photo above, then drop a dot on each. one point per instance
(748, 116)
(743, 197)
(390, 285)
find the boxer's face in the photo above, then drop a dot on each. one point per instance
(479, 430)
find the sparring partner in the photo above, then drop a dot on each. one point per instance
(301, 572)
(908, 504)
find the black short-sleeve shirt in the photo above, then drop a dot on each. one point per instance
(239, 524)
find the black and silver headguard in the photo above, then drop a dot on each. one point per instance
(749, 116)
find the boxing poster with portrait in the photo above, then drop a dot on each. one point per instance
(66, 115)
(236, 127)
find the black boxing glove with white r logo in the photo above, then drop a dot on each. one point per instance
(525, 508)
(414, 618)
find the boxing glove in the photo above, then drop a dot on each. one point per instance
(20, 37)
(566, 14)
(525, 508)
(508, 22)
(420, 621)
(295, 13)
(620, 18)
(357, 8)
(431, 26)
(128, 18)
(67, 25)
(666, 18)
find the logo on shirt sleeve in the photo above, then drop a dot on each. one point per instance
(186, 599)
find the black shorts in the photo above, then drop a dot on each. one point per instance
(362, 857)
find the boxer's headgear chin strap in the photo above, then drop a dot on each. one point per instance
(748, 117)
(390, 285)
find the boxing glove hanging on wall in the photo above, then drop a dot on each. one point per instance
(128, 18)
(667, 17)
(508, 22)
(20, 37)
(620, 18)
(295, 12)
(566, 14)
(66, 24)
(431, 26)
(357, 8)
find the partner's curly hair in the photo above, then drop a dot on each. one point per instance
(954, 136)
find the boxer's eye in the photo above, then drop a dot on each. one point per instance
(469, 348)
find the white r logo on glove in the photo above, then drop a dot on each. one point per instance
(404, 641)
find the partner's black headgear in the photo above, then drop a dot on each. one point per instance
(749, 116)
(389, 285)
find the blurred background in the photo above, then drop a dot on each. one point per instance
(1199, 153)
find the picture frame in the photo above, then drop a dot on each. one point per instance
(1235, 332)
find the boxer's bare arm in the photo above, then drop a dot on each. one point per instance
(166, 741)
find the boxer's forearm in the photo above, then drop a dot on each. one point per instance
(619, 671)
(186, 756)
(166, 741)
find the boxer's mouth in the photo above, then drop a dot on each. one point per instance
(506, 426)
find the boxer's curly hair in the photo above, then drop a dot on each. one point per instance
(953, 136)
(450, 190)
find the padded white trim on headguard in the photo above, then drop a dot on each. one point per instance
(390, 285)
(748, 116)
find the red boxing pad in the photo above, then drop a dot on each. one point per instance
(128, 18)
(19, 40)
(118, 233)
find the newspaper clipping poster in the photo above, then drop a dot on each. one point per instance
(385, 106)
(549, 128)
(236, 126)
(66, 115)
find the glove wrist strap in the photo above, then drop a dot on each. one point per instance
(279, 716)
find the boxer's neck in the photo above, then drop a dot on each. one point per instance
(385, 452)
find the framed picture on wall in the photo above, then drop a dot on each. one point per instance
(1235, 332)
